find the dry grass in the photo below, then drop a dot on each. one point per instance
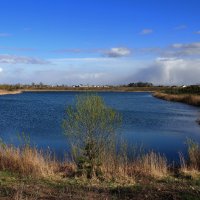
(191, 166)
(136, 179)
(150, 164)
(115, 167)
(184, 98)
(31, 162)
(188, 170)
(5, 92)
(26, 161)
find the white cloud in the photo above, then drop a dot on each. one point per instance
(118, 52)
(100, 70)
(12, 59)
(187, 46)
(66, 76)
(146, 31)
(112, 52)
(95, 59)
(178, 63)
(1, 69)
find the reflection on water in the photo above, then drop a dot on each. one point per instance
(157, 124)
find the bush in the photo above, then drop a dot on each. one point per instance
(90, 127)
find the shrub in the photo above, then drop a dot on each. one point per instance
(91, 127)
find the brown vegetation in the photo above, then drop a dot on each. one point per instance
(184, 98)
(191, 166)
(150, 164)
(5, 92)
(26, 161)
(145, 177)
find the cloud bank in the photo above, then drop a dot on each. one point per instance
(170, 71)
(12, 59)
(178, 63)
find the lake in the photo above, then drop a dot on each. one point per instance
(153, 123)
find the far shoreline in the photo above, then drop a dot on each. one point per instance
(6, 92)
(190, 99)
(70, 89)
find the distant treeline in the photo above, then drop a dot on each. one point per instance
(192, 89)
(9, 87)
(12, 87)
(140, 84)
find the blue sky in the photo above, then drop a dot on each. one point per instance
(99, 41)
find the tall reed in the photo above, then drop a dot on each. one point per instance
(149, 164)
(191, 165)
(26, 161)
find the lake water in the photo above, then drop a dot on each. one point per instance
(156, 124)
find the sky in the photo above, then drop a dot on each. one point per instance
(100, 41)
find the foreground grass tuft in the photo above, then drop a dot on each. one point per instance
(26, 161)
(152, 164)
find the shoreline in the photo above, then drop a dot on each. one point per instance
(190, 99)
(150, 90)
(85, 90)
(5, 92)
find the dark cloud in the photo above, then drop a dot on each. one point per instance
(170, 71)
(182, 50)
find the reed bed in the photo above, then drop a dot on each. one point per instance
(191, 165)
(26, 161)
(150, 164)
(184, 98)
(117, 167)
(120, 167)
(35, 163)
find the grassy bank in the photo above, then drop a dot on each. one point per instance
(191, 99)
(5, 92)
(28, 173)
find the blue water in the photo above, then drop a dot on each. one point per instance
(153, 123)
